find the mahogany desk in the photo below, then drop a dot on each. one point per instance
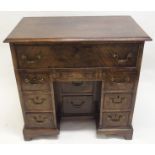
(77, 67)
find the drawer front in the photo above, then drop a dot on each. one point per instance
(115, 119)
(33, 56)
(37, 101)
(77, 55)
(34, 81)
(39, 120)
(120, 81)
(114, 54)
(77, 105)
(117, 101)
(77, 74)
(77, 87)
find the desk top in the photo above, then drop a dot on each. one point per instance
(77, 28)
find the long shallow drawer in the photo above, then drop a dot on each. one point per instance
(77, 55)
(77, 74)
(37, 101)
(115, 119)
(117, 101)
(77, 87)
(39, 120)
(77, 105)
(120, 80)
(34, 81)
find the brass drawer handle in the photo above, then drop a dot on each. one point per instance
(29, 60)
(117, 100)
(77, 83)
(39, 119)
(33, 80)
(38, 100)
(122, 61)
(75, 105)
(115, 118)
(120, 80)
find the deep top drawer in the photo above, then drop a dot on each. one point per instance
(77, 55)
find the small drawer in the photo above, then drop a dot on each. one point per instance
(77, 105)
(115, 119)
(117, 101)
(39, 120)
(119, 54)
(120, 81)
(37, 101)
(33, 56)
(77, 87)
(34, 81)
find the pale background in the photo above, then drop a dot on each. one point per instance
(11, 122)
